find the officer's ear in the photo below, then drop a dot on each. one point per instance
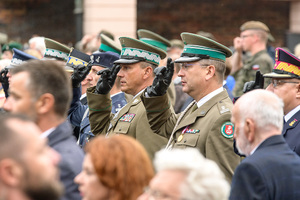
(298, 91)
(45, 103)
(210, 72)
(148, 71)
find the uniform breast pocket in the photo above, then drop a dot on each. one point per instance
(188, 140)
(122, 127)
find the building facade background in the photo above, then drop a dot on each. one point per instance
(20, 19)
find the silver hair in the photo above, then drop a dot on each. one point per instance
(263, 107)
(204, 178)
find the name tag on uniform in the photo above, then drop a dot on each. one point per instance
(127, 117)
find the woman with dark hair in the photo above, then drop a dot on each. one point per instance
(114, 168)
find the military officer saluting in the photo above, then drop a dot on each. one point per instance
(135, 70)
(205, 123)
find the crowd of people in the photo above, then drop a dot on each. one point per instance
(150, 118)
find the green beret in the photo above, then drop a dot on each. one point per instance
(154, 39)
(198, 47)
(256, 25)
(11, 45)
(107, 44)
(134, 51)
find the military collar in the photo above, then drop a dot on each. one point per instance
(288, 116)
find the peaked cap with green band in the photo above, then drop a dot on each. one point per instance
(134, 51)
(198, 47)
(154, 39)
(107, 44)
(57, 51)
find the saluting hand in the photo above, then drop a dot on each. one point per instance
(107, 79)
(257, 84)
(79, 74)
(162, 80)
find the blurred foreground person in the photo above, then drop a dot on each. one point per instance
(186, 174)
(41, 90)
(271, 170)
(28, 167)
(114, 168)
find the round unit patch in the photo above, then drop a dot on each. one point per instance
(227, 130)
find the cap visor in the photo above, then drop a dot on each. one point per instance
(126, 61)
(186, 59)
(274, 75)
(10, 66)
(69, 69)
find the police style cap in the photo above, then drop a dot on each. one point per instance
(286, 66)
(153, 39)
(18, 58)
(107, 44)
(134, 51)
(104, 59)
(77, 58)
(198, 47)
(250, 25)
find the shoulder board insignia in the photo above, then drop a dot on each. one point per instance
(227, 130)
(224, 110)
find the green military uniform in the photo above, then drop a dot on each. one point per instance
(131, 119)
(260, 61)
(208, 127)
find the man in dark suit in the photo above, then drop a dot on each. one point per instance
(285, 83)
(271, 170)
(41, 89)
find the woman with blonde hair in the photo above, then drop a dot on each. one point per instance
(114, 168)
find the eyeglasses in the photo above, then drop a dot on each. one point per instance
(157, 195)
(276, 82)
(187, 65)
(244, 36)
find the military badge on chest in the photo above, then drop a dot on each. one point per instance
(186, 130)
(128, 117)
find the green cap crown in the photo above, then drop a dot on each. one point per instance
(154, 39)
(197, 45)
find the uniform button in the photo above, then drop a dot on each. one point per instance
(120, 129)
(184, 141)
